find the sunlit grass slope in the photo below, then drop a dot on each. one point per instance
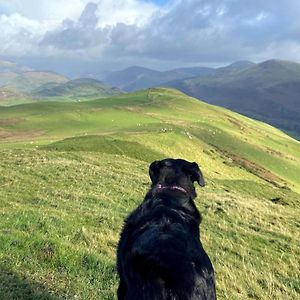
(71, 172)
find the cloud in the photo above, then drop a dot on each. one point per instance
(41, 10)
(40, 28)
(135, 32)
(129, 12)
(81, 34)
(18, 35)
(222, 30)
(193, 31)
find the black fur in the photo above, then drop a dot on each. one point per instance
(160, 256)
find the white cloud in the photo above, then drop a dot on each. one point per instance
(135, 31)
(125, 11)
(109, 12)
(25, 23)
(55, 10)
(18, 34)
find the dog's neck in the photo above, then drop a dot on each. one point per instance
(159, 186)
(184, 199)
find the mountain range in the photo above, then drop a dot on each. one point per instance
(136, 78)
(267, 91)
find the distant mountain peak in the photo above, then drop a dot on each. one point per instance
(271, 63)
(284, 65)
(242, 63)
(239, 65)
(268, 91)
(137, 68)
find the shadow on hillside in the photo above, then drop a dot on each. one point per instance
(16, 287)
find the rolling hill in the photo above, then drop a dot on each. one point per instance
(29, 81)
(22, 79)
(71, 172)
(46, 86)
(268, 91)
(9, 66)
(136, 78)
(17, 86)
(77, 88)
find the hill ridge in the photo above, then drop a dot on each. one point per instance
(259, 92)
(72, 172)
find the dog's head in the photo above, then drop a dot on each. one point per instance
(176, 172)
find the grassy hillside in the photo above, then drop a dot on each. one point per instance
(268, 91)
(71, 172)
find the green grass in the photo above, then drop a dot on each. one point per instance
(69, 175)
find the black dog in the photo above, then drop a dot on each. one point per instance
(160, 256)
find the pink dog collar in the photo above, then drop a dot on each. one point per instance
(172, 187)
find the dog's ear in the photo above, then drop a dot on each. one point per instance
(196, 175)
(154, 171)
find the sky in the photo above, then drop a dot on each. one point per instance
(93, 36)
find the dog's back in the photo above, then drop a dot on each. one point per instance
(160, 255)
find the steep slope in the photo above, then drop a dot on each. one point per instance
(71, 172)
(267, 91)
